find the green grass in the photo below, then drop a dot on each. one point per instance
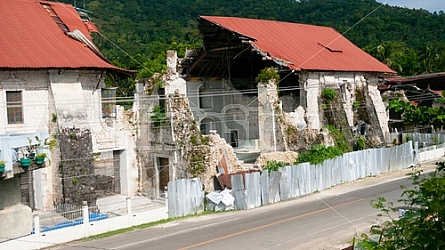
(146, 225)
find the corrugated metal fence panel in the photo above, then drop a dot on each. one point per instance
(274, 186)
(171, 198)
(312, 182)
(364, 166)
(382, 158)
(293, 181)
(175, 198)
(304, 177)
(355, 163)
(346, 169)
(402, 155)
(197, 196)
(285, 183)
(253, 190)
(264, 182)
(327, 174)
(316, 170)
(408, 155)
(397, 158)
(295, 189)
(336, 172)
(238, 192)
(185, 196)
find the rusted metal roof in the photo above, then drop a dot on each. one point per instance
(34, 35)
(433, 78)
(299, 46)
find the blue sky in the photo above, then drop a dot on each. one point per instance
(431, 5)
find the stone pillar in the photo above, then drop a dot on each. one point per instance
(312, 109)
(380, 121)
(269, 111)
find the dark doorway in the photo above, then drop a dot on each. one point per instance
(164, 174)
(234, 138)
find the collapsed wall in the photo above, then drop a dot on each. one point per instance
(203, 155)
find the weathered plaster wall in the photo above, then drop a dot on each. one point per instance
(230, 109)
(34, 85)
(347, 84)
(145, 163)
(43, 192)
(125, 156)
(81, 109)
(8, 194)
(269, 115)
(179, 140)
(16, 221)
(311, 83)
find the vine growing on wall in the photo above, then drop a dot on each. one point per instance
(158, 116)
(155, 82)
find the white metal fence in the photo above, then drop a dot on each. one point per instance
(427, 146)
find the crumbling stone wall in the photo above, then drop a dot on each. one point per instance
(270, 118)
(200, 153)
(76, 170)
(359, 104)
(288, 157)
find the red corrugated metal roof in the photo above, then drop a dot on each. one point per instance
(31, 38)
(305, 47)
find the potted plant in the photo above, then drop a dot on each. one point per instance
(29, 153)
(2, 166)
(25, 162)
(40, 158)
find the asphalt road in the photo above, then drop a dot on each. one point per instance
(325, 220)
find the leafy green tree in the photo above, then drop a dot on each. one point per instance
(432, 58)
(419, 115)
(135, 33)
(397, 55)
(421, 225)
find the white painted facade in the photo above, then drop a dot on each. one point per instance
(57, 99)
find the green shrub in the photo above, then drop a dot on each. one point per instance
(318, 154)
(328, 95)
(267, 74)
(356, 104)
(339, 138)
(360, 143)
(274, 165)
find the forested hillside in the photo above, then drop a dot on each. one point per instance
(138, 32)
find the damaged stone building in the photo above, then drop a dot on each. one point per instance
(222, 111)
(54, 99)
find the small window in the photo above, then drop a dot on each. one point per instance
(14, 107)
(205, 98)
(108, 102)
